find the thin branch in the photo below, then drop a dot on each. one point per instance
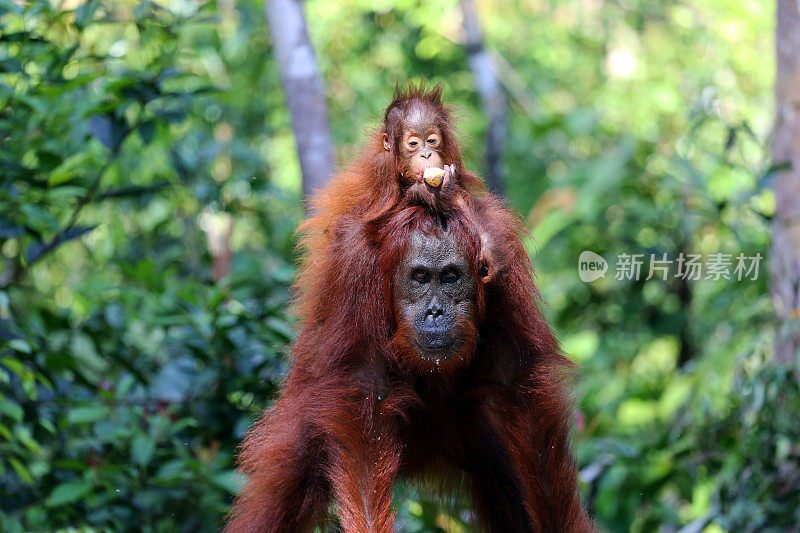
(19, 271)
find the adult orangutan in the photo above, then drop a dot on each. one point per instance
(412, 360)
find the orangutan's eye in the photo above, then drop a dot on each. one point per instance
(421, 276)
(450, 276)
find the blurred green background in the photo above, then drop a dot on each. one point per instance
(133, 134)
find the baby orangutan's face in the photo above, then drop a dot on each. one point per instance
(421, 144)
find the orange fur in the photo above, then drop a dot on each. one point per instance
(360, 408)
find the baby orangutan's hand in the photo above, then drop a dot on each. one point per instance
(435, 188)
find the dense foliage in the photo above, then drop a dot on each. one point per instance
(128, 374)
(140, 140)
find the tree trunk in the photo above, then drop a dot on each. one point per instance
(785, 252)
(304, 90)
(493, 100)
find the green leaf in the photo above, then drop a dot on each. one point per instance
(38, 218)
(11, 409)
(92, 413)
(142, 449)
(68, 493)
(281, 327)
(11, 65)
(20, 345)
(109, 130)
(172, 471)
(125, 383)
(147, 130)
(69, 168)
(15, 365)
(227, 480)
(8, 5)
(10, 230)
(66, 193)
(84, 14)
(21, 471)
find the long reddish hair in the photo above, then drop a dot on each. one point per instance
(356, 390)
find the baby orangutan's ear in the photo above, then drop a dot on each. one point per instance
(386, 144)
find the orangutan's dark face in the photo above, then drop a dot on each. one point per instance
(435, 292)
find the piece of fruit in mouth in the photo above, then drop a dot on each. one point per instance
(433, 176)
